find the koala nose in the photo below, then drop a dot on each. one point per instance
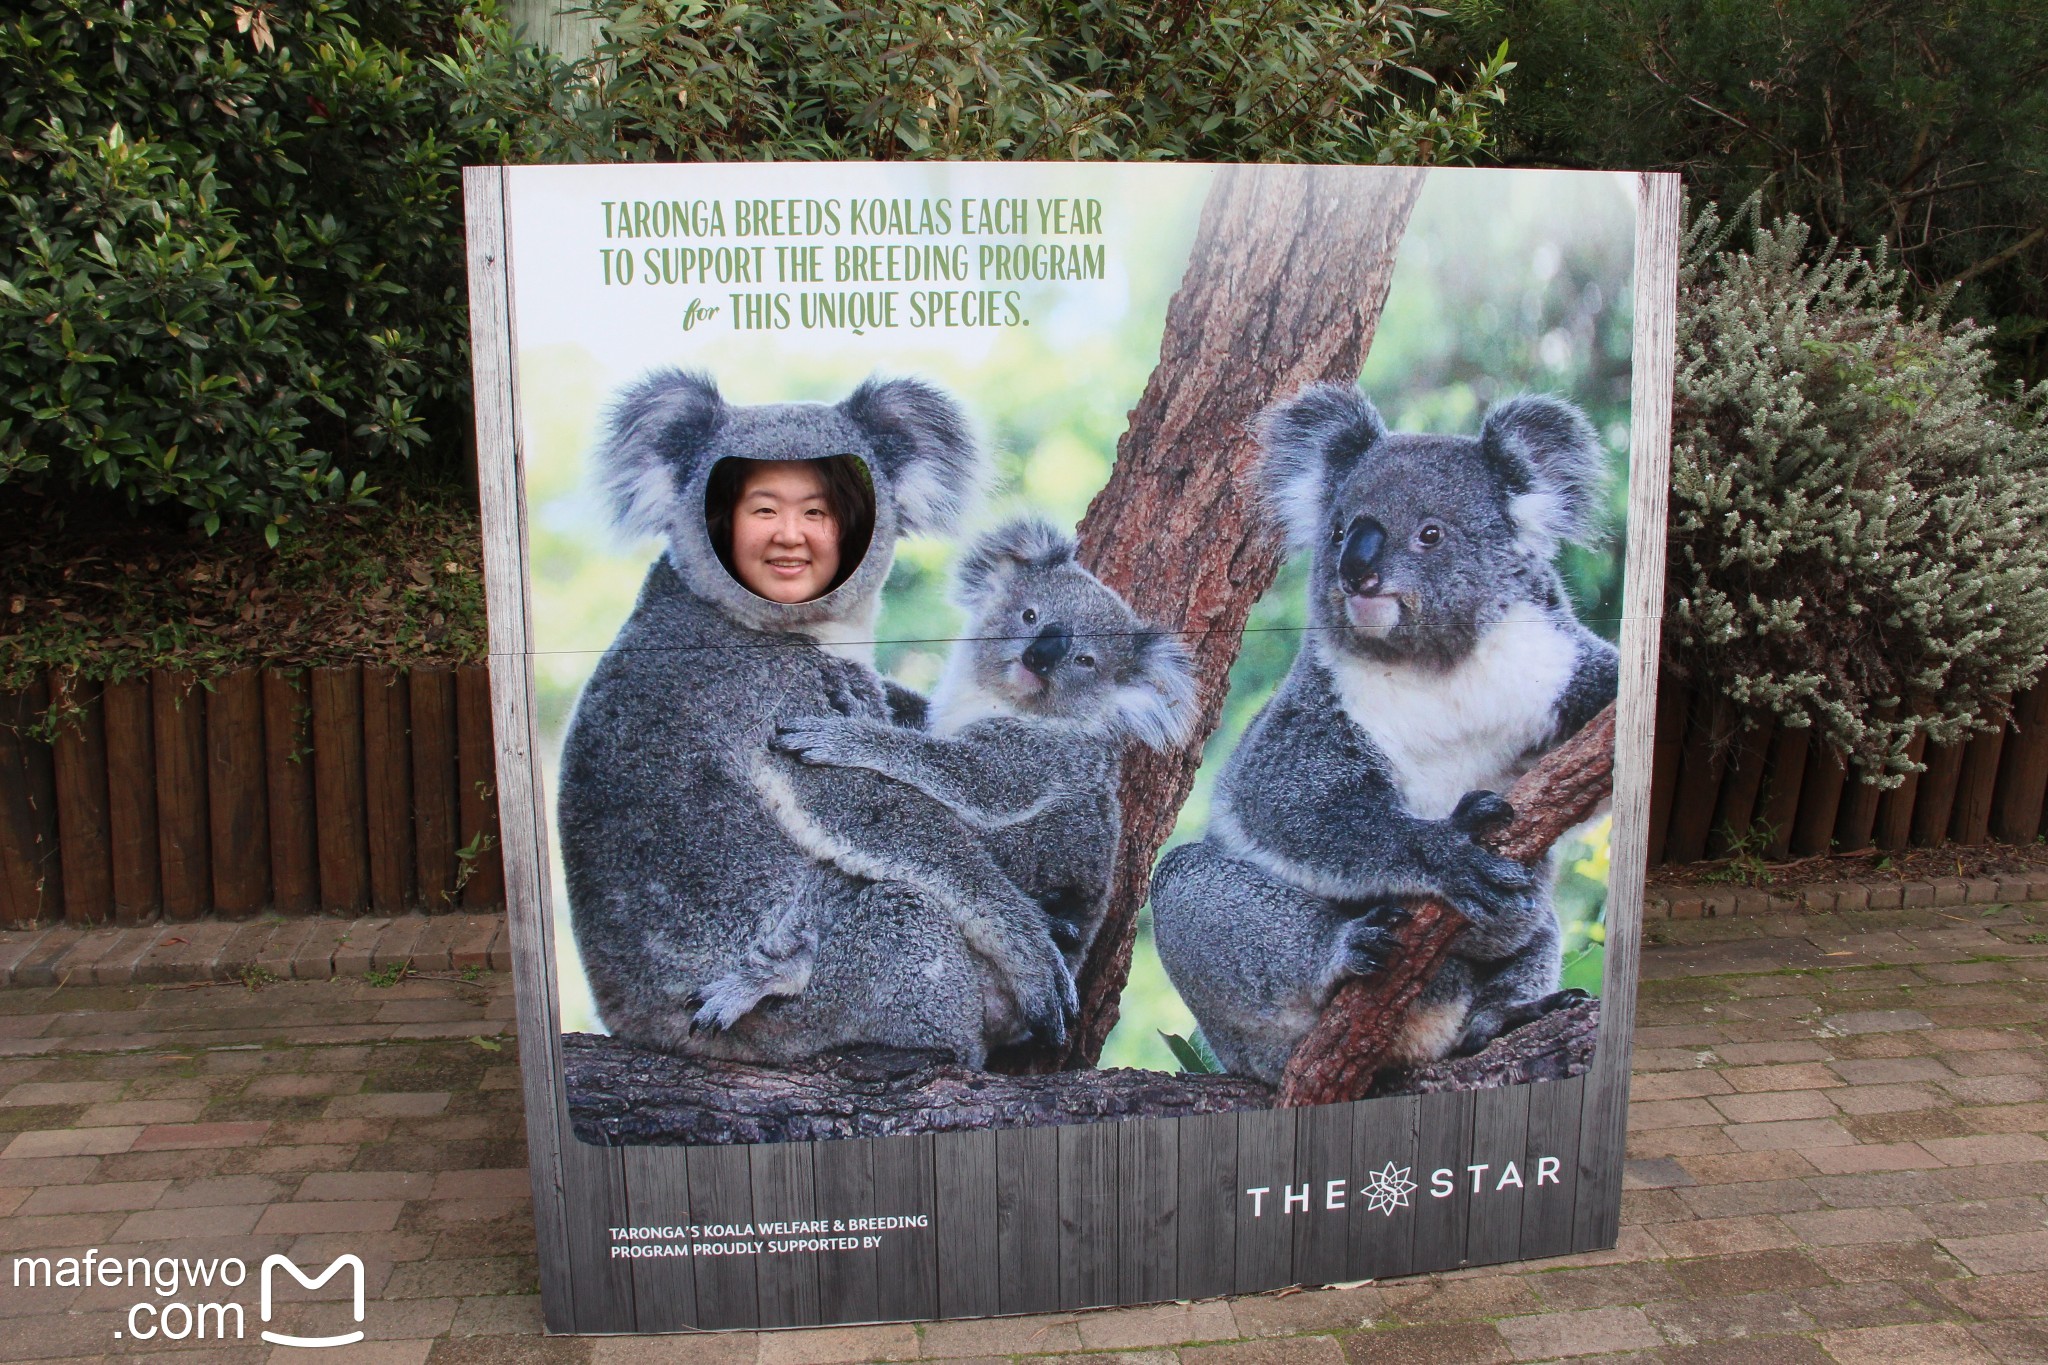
(1047, 650)
(1358, 563)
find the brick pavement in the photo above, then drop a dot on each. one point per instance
(1837, 1155)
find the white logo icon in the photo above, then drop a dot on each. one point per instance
(352, 1261)
(1388, 1189)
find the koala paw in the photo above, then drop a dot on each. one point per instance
(1487, 888)
(1026, 956)
(820, 741)
(1367, 943)
(1481, 811)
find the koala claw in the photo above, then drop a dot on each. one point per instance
(808, 739)
(1365, 944)
(1481, 811)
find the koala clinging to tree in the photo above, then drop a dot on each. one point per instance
(1442, 660)
(678, 873)
(1012, 796)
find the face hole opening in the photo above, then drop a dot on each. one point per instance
(790, 531)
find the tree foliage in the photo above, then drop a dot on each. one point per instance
(1856, 502)
(1922, 124)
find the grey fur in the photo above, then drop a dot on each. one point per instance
(1012, 800)
(679, 875)
(1443, 659)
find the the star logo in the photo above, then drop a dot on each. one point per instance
(1388, 1189)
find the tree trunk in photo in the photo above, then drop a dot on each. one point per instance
(1284, 286)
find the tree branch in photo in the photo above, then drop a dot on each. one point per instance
(1342, 1055)
(1283, 288)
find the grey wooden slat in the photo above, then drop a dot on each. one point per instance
(1148, 1223)
(603, 1299)
(1382, 1137)
(501, 496)
(1028, 1219)
(784, 1192)
(657, 1184)
(1500, 1141)
(1087, 1204)
(964, 1221)
(1205, 1208)
(1443, 1141)
(1322, 1159)
(907, 1262)
(1604, 1114)
(1547, 1206)
(844, 1176)
(1265, 1160)
(722, 1193)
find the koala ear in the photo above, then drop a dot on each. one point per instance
(654, 432)
(1551, 459)
(925, 452)
(1029, 542)
(1311, 441)
(1156, 703)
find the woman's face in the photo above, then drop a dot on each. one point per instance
(785, 540)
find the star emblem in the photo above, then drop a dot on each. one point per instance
(1388, 1189)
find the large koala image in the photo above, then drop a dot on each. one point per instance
(1442, 660)
(678, 871)
(1012, 796)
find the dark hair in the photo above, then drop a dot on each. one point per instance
(849, 493)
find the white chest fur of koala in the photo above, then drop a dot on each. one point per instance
(1468, 728)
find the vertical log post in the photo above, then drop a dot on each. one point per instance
(236, 794)
(483, 861)
(288, 786)
(436, 785)
(31, 871)
(184, 836)
(1977, 780)
(1782, 789)
(130, 718)
(85, 834)
(387, 763)
(2023, 770)
(1283, 288)
(338, 792)
(1667, 748)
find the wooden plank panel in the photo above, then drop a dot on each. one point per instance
(338, 790)
(721, 1193)
(288, 781)
(237, 801)
(1265, 1176)
(964, 1223)
(1856, 819)
(1500, 1144)
(2023, 770)
(483, 880)
(1935, 802)
(1672, 699)
(1780, 802)
(603, 1298)
(131, 800)
(1443, 1142)
(436, 784)
(907, 1262)
(844, 1176)
(85, 834)
(1553, 1151)
(785, 1191)
(1820, 800)
(1383, 1152)
(1604, 1114)
(1206, 1207)
(1148, 1224)
(1027, 1221)
(31, 869)
(387, 788)
(1976, 784)
(657, 1188)
(183, 822)
(1741, 785)
(1087, 1201)
(1322, 1158)
(1894, 828)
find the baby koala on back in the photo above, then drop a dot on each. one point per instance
(1012, 793)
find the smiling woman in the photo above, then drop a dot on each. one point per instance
(790, 530)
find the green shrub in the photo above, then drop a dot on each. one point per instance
(1857, 510)
(1240, 80)
(230, 265)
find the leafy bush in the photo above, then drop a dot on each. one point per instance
(230, 269)
(1241, 80)
(1857, 510)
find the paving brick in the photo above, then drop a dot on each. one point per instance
(1800, 1135)
(226, 1220)
(1592, 1331)
(1720, 1236)
(1464, 1343)
(71, 1142)
(1320, 1310)
(2001, 1254)
(1896, 1156)
(1773, 1106)
(833, 1345)
(394, 946)
(472, 947)
(313, 958)
(1281, 1351)
(1688, 1322)
(1914, 1344)
(173, 1136)
(1167, 1324)
(1847, 1227)
(112, 1196)
(1875, 1303)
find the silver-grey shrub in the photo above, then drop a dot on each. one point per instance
(1859, 512)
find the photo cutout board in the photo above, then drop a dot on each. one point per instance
(1067, 734)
